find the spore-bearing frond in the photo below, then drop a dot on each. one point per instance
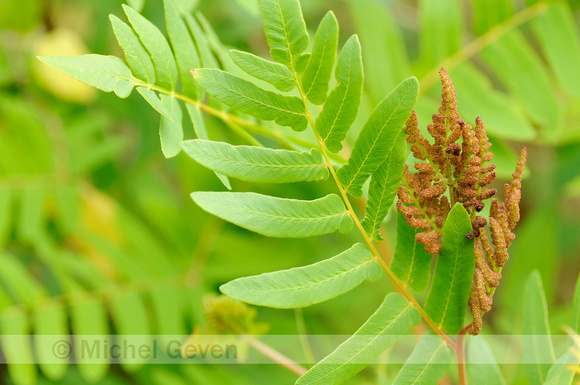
(455, 168)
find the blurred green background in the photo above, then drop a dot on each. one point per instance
(99, 235)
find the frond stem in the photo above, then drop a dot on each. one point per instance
(402, 289)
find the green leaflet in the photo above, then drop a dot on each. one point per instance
(131, 321)
(107, 73)
(16, 345)
(171, 130)
(557, 33)
(341, 107)
(383, 187)
(537, 342)
(411, 263)
(285, 30)
(251, 99)
(447, 299)
(380, 35)
(137, 57)
(277, 217)
(307, 285)
(157, 46)
(378, 136)
(18, 281)
(168, 312)
(257, 164)
(427, 363)
(274, 73)
(438, 40)
(50, 324)
(154, 101)
(319, 68)
(185, 51)
(482, 368)
(89, 324)
(392, 319)
(562, 372)
(576, 308)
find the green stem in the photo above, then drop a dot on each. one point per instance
(399, 285)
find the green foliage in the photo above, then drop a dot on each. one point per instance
(384, 183)
(276, 74)
(257, 164)
(482, 367)
(538, 348)
(562, 372)
(285, 30)
(250, 99)
(107, 73)
(308, 285)
(394, 317)
(447, 299)
(340, 112)
(319, 68)
(427, 363)
(378, 136)
(104, 284)
(277, 217)
(411, 263)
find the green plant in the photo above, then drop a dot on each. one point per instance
(379, 153)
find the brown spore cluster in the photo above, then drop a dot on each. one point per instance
(456, 167)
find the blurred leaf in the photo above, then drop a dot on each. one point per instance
(130, 318)
(557, 33)
(384, 183)
(307, 285)
(482, 368)
(411, 263)
(441, 30)
(563, 371)
(341, 108)
(319, 68)
(249, 98)
(447, 299)
(285, 30)
(537, 342)
(392, 319)
(576, 308)
(385, 58)
(277, 217)
(515, 63)
(257, 164)
(168, 312)
(14, 330)
(427, 363)
(90, 331)
(50, 327)
(19, 282)
(489, 13)
(378, 136)
(496, 110)
(107, 73)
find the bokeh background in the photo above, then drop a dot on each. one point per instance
(99, 236)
